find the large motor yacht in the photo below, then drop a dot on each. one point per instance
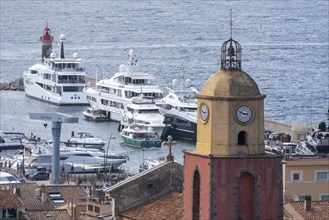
(113, 94)
(81, 160)
(56, 80)
(179, 107)
(144, 112)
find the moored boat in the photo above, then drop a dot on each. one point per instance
(56, 80)
(140, 137)
(113, 94)
(10, 142)
(319, 138)
(179, 107)
(77, 160)
(93, 114)
(148, 164)
(85, 140)
(144, 112)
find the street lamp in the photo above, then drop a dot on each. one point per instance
(23, 162)
(106, 155)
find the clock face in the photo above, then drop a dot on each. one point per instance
(204, 112)
(244, 114)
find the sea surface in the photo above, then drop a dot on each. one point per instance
(285, 49)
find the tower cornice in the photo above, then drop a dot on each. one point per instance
(259, 97)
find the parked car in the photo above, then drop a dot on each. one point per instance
(41, 175)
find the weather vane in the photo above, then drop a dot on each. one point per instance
(231, 23)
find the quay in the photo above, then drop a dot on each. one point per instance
(297, 132)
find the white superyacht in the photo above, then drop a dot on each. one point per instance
(113, 94)
(56, 80)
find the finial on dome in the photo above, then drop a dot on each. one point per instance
(231, 23)
(231, 51)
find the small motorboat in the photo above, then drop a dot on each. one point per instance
(148, 164)
(10, 142)
(319, 138)
(140, 136)
(93, 114)
(85, 140)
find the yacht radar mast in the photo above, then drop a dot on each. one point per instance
(62, 39)
(132, 61)
(231, 52)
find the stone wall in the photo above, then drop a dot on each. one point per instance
(146, 186)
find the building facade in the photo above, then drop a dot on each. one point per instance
(306, 176)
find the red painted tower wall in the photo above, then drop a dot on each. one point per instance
(223, 184)
(192, 163)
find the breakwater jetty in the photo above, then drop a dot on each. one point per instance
(15, 85)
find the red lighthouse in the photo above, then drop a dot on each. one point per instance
(46, 40)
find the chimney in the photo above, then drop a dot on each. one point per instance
(43, 193)
(18, 191)
(307, 203)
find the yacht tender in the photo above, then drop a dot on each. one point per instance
(85, 140)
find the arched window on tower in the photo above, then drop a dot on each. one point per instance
(196, 196)
(242, 138)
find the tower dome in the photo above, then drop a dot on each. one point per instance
(230, 83)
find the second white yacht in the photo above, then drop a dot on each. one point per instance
(113, 94)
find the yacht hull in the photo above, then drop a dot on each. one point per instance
(32, 91)
(181, 128)
(141, 143)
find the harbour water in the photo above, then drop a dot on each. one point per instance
(285, 49)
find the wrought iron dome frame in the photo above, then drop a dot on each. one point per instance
(231, 55)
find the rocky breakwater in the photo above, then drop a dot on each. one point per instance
(16, 85)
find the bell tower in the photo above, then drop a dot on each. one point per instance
(229, 175)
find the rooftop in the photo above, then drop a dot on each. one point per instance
(158, 208)
(295, 210)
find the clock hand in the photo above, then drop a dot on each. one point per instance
(243, 113)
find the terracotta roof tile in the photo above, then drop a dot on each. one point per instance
(10, 200)
(71, 193)
(319, 210)
(48, 215)
(168, 206)
(28, 194)
(32, 200)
